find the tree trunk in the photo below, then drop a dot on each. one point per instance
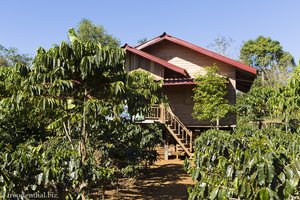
(103, 193)
(260, 124)
(218, 123)
(84, 136)
(82, 146)
(262, 77)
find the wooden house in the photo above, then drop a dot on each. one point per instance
(177, 62)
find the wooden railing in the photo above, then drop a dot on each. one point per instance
(156, 113)
(178, 130)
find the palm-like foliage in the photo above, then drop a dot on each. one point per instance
(67, 109)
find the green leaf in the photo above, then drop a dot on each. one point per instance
(72, 35)
(40, 178)
(261, 174)
(222, 194)
(33, 187)
(264, 194)
(229, 171)
(214, 193)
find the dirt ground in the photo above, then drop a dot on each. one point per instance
(165, 180)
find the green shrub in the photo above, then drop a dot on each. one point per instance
(246, 164)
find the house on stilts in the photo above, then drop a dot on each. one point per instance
(176, 62)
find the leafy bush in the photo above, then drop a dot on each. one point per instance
(254, 164)
(53, 166)
(61, 124)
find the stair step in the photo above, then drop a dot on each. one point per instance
(178, 131)
(185, 143)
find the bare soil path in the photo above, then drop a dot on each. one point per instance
(165, 180)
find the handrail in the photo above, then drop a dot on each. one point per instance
(180, 132)
(184, 132)
(178, 120)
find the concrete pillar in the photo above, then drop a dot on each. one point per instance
(166, 146)
(166, 151)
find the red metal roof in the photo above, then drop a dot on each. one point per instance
(201, 50)
(156, 60)
(178, 81)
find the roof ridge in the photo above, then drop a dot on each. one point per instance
(157, 37)
(199, 49)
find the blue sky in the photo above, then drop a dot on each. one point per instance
(33, 23)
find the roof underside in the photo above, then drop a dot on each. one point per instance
(244, 80)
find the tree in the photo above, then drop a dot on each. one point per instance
(276, 104)
(18, 123)
(73, 95)
(269, 58)
(255, 105)
(222, 45)
(209, 96)
(87, 31)
(11, 56)
(286, 101)
(65, 79)
(142, 40)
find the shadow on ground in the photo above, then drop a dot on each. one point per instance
(164, 180)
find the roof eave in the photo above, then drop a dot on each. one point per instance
(204, 51)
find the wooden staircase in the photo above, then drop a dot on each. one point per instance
(182, 135)
(179, 131)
